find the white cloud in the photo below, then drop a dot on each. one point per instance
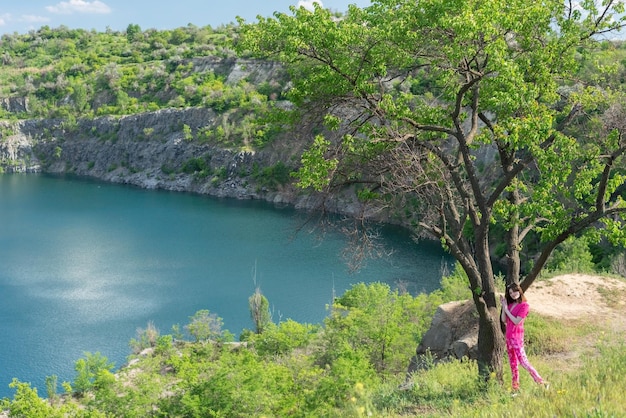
(308, 4)
(34, 19)
(4, 18)
(79, 6)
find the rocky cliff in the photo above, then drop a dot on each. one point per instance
(164, 149)
(157, 150)
(147, 150)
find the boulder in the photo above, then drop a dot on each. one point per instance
(453, 334)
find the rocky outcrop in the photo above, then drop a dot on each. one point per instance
(14, 104)
(16, 151)
(148, 150)
(159, 150)
(453, 333)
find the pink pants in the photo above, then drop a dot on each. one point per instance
(517, 355)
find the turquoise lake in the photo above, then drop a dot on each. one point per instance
(83, 264)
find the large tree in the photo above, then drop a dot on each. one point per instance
(462, 115)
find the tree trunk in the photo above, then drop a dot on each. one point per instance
(513, 243)
(491, 345)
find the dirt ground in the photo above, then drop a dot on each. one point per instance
(581, 297)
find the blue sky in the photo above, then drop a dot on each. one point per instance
(25, 15)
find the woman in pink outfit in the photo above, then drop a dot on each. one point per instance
(514, 310)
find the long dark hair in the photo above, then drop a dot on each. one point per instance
(514, 286)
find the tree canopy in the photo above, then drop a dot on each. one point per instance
(467, 119)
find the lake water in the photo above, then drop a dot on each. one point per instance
(84, 264)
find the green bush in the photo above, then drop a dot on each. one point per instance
(26, 402)
(205, 326)
(89, 370)
(194, 165)
(272, 176)
(377, 320)
(284, 338)
(260, 311)
(454, 286)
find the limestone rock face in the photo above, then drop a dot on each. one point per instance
(16, 151)
(14, 104)
(453, 333)
(150, 150)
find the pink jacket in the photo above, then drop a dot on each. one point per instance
(513, 331)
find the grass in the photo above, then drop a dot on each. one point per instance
(584, 363)
(613, 298)
(595, 389)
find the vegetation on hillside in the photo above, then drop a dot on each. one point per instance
(73, 73)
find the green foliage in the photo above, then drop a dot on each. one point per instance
(260, 311)
(26, 402)
(454, 286)
(91, 371)
(281, 372)
(164, 345)
(316, 170)
(573, 255)
(347, 374)
(239, 385)
(133, 32)
(195, 165)
(206, 326)
(273, 176)
(187, 134)
(168, 170)
(380, 323)
(51, 387)
(75, 73)
(366, 194)
(283, 338)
